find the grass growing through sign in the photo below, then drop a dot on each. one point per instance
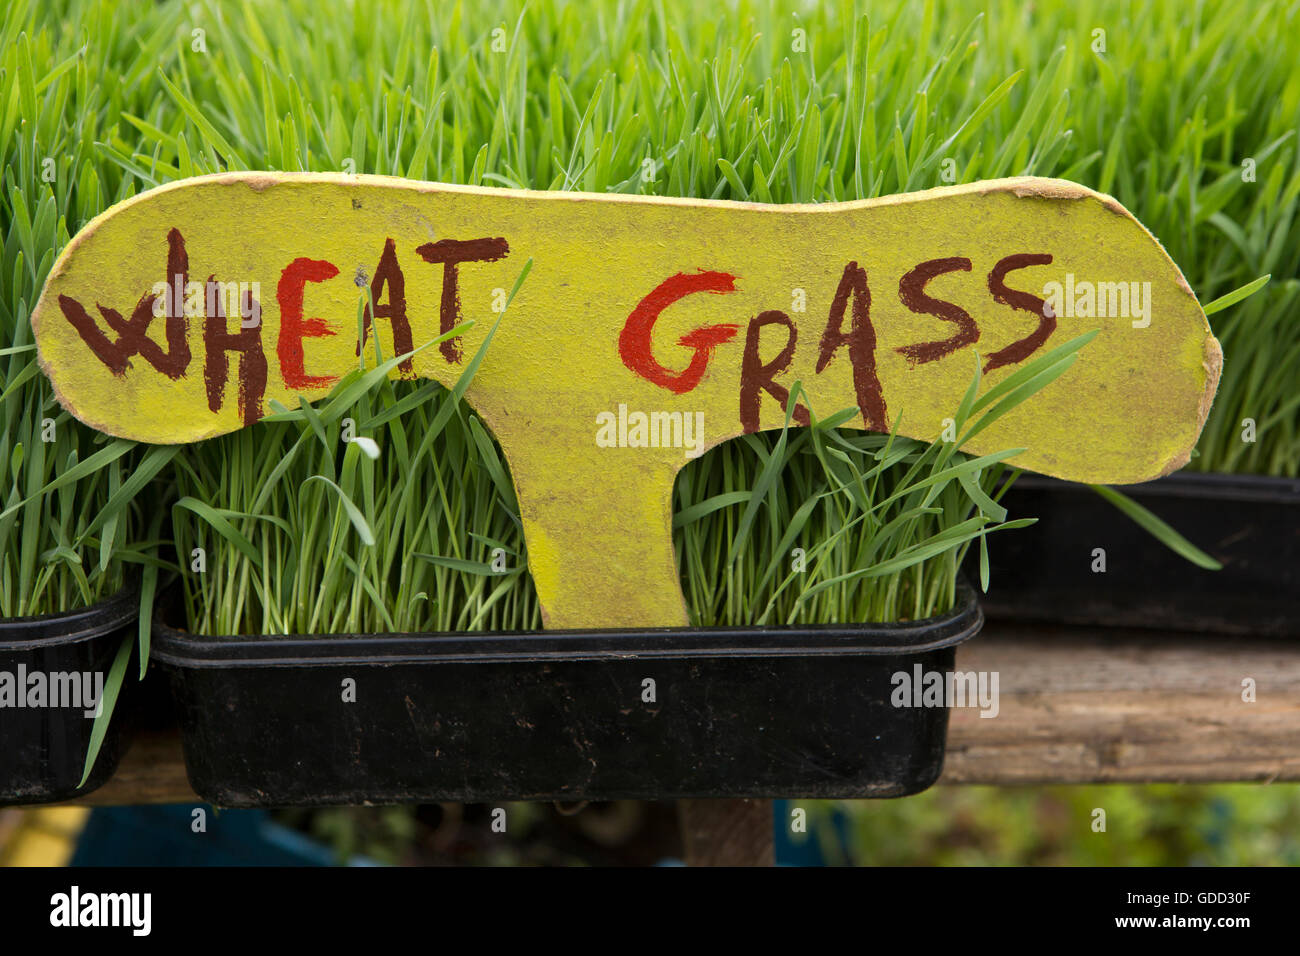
(393, 531)
(881, 522)
(410, 523)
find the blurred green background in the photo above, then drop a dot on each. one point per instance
(1238, 824)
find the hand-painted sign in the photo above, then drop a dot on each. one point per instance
(648, 330)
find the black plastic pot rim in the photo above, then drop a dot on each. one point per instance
(69, 627)
(180, 649)
(1192, 484)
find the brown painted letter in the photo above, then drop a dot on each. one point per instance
(388, 272)
(218, 339)
(133, 337)
(755, 375)
(862, 345)
(1025, 302)
(911, 290)
(451, 253)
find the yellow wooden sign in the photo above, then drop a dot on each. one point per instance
(648, 330)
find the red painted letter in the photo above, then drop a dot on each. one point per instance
(294, 328)
(634, 340)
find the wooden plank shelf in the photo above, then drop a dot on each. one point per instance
(1076, 705)
(1096, 706)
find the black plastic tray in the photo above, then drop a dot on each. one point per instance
(1250, 524)
(43, 749)
(756, 712)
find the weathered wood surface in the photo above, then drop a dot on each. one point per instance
(1084, 706)
(1075, 706)
(152, 771)
(727, 832)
